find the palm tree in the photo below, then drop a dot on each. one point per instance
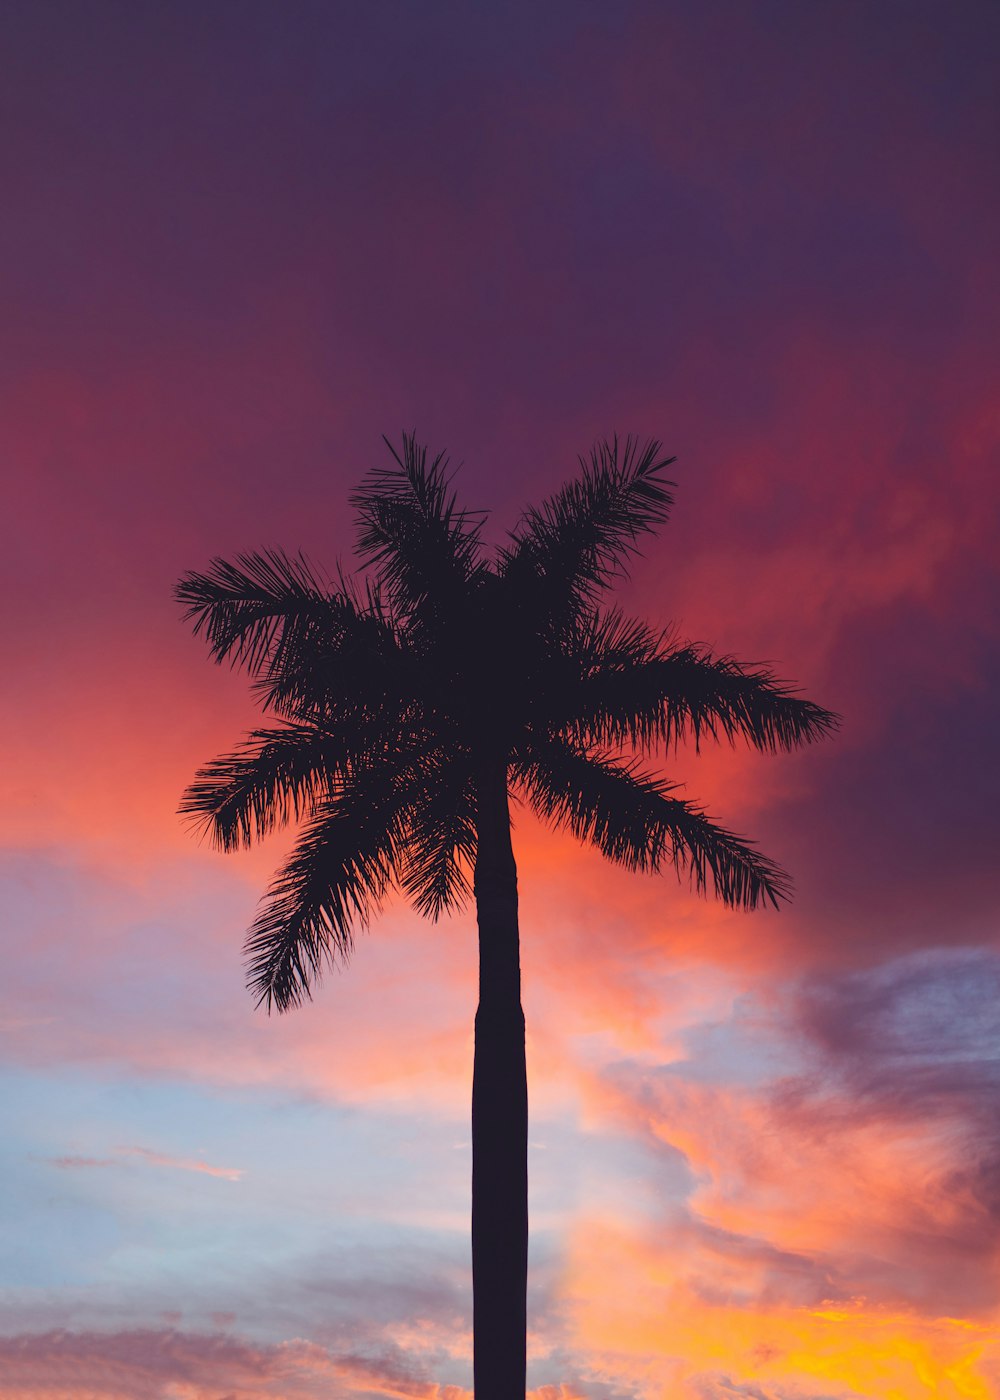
(408, 705)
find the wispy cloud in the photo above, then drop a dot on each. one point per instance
(183, 1164)
(70, 1162)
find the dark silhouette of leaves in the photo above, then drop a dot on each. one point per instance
(392, 690)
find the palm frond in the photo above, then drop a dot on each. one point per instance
(634, 818)
(253, 611)
(410, 527)
(642, 688)
(580, 540)
(345, 860)
(442, 840)
(276, 776)
(359, 661)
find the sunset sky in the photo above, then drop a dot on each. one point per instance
(238, 243)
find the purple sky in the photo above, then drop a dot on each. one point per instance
(239, 243)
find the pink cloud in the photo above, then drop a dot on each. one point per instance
(184, 1164)
(155, 1159)
(867, 1168)
(138, 1365)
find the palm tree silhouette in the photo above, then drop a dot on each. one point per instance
(408, 705)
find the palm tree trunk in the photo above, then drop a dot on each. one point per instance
(499, 1111)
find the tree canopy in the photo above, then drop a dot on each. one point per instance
(387, 693)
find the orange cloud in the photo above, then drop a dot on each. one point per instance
(639, 1321)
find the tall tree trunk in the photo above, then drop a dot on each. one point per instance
(499, 1111)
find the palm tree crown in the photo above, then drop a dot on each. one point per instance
(392, 694)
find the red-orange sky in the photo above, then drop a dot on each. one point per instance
(239, 243)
